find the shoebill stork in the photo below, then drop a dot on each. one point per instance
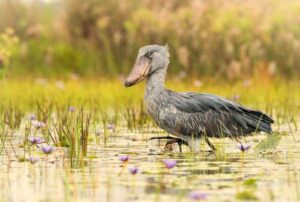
(190, 116)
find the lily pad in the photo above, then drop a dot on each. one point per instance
(270, 142)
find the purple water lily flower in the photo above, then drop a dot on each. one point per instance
(38, 124)
(98, 133)
(170, 163)
(47, 149)
(244, 147)
(35, 140)
(71, 109)
(195, 195)
(111, 127)
(134, 170)
(33, 159)
(124, 159)
(32, 117)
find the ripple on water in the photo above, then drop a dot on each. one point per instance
(102, 176)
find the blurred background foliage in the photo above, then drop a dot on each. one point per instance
(220, 39)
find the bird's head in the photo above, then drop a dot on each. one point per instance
(150, 59)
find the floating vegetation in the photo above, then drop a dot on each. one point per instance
(249, 187)
(252, 183)
(270, 142)
(246, 195)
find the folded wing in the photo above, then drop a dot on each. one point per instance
(217, 116)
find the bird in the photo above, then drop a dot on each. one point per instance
(188, 116)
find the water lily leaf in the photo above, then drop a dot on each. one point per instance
(250, 183)
(270, 142)
(246, 195)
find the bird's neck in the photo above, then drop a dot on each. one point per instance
(156, 82)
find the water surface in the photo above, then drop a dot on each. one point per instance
(267, 176)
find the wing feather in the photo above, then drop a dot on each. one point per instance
(216, 114)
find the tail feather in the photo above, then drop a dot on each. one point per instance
(259, 121)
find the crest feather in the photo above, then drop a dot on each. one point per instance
(167, 50)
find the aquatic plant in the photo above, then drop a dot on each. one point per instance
(270, 142)
(136, 117)
(124, 159)
(134, 170)
(169, 163)
(12, 116)
(38, 124)
(47, 149)
(246, 195)
(197, 196)
(98, 133)
(71, 109)
(249, 189)
(35, 140)
(111, 126)
(243, 147)
(250, 183)
(33, 159)
(64, 129)
(32, 117)
(3, 137)
(84, 123)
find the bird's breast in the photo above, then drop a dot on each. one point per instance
(162, 112)
(153, 107)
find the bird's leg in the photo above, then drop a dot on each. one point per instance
(161, 138)
(172, 140)
(210, 144)
(178, 141)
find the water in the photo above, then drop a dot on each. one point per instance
(271, 176)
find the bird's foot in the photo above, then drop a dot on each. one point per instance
(175, 140)
(171, 140)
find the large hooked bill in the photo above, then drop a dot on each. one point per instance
(139, 72)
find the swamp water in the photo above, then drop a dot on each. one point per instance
(230, 175)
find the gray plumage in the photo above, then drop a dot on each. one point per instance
(191, 116)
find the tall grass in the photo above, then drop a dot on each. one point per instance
(224, 39)
(111, 102)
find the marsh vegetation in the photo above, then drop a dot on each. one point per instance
(70, 131)
(73, 140)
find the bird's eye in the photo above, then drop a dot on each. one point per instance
(149, 55)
